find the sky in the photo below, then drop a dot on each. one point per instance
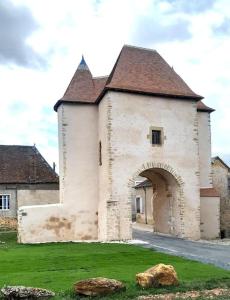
(41, 43)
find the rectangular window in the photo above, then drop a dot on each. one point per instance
(138, 205)
(4, 202)
(156, 137)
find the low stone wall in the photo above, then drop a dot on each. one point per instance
(8, 223)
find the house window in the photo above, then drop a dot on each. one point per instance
(138, 205)
(4, 202)
(156, 137)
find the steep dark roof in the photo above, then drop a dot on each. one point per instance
(202, 107)
(221, 161)
(137, 70)
(144, 70)
(24, 164)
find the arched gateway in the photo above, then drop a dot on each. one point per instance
(108, 126)
(167, 201)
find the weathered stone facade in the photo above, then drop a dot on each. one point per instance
(105, 143)
(221, 182)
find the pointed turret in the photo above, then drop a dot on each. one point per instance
(81, 87)
(83, 64)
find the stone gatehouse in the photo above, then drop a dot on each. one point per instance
(141, 120)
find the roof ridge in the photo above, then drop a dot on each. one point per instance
(98, 77)
(31, 146)
(37, 152)
(138, 47)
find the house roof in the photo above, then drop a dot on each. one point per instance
(24, 164)
(202, 107)
(209, 192)
(221, 161)
(145, 183)
(137, 70)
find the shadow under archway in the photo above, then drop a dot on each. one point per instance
(160, 197)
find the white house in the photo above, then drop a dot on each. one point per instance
(142, 119)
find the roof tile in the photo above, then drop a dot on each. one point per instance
(24, 164)
(209, 192)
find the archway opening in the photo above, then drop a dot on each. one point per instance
(156, 201)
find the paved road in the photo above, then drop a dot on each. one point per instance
(216, 254)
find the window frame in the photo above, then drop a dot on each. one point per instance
(141, 204)
(154, 128)
(6, 205)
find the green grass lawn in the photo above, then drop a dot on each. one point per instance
(57, 266)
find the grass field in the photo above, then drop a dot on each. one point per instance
(57, 266)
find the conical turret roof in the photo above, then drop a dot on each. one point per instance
(81, 87)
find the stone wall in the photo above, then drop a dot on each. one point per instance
(204, 134)
(130, 117)
(76, 216)
(37, 197)
(28, 194)
(220, 183)
(8, 224)
(210, 217)
(96, 199)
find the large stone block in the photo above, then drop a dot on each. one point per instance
(159, 275)
(98, 286)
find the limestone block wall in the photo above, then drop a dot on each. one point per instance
(76, 216)
(220, 183)
(204, 133)
(104, 171)
(210, 217)
(129, 118)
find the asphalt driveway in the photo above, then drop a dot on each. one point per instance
(216, 254)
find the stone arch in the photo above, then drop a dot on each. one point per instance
(180, 183)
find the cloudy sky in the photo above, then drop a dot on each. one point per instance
(41, 43)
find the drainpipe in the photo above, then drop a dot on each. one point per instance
(146, 221)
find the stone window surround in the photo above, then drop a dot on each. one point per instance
(149, 136)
